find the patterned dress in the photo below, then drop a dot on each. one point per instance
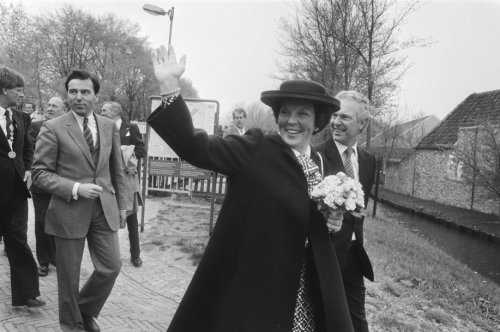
(303, 317)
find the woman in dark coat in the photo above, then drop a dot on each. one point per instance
(269, 265)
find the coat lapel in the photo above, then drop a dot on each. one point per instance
(3, 141)
(76, 134)
(103, 139)
(364, 165)
(18, 130)
(333, 158)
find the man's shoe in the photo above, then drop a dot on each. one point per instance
(34, 303)
(43, 270)
(137, 262)
(90, 324)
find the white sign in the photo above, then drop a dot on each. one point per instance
(203, 113)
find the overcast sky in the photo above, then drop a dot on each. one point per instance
(233, 46)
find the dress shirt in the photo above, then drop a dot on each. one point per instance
(241, 131)
(3, 123)
(354, 157)
(118, 123)
(93, 130)
(91, 124)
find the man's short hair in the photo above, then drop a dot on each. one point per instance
(239, 110)
(358, 98)
(10, 79)
(82, 75)
(115, 107)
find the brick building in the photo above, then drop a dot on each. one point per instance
(458, 162)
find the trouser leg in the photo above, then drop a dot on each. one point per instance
(23, 269)
(45, 247)
(133, 236)
(69, 254)
(105, 254)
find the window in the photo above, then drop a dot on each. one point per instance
(454, 168)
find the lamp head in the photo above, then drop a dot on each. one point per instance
(154, 10)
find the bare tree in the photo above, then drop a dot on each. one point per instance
(260, 116)
(45, 48)
(349, 44)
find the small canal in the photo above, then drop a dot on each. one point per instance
(481, 255)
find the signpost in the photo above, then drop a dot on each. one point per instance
(161, 160)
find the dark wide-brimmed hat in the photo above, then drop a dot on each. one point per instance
(302, 90)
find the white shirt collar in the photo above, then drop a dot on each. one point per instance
(341, 147)
(3, 110)
(308, 152)
(118, 123)
(79, 118)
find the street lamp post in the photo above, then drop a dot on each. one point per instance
(158, 11)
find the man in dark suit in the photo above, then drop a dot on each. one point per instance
(78, 161)
(45, 246)
(129, 135)
(16, 154)
(341, 154)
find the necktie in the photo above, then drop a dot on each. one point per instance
(88, 135)
(349, 169)
(9, 127)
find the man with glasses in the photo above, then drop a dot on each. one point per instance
(16, 153)
(78, 161)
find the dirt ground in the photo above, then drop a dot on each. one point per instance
(394, 302)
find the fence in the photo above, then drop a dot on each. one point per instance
(175, 175)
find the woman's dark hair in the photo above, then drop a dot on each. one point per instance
(82, 75)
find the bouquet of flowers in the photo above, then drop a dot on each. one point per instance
(339, 193)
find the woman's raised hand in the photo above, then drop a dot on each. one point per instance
(167, 70)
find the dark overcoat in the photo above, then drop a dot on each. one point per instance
(15, 168)
(248, 277)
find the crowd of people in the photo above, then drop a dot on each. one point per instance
(64, 163)
(274, 262)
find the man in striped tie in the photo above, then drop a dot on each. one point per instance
(342, 154)
(78, 161)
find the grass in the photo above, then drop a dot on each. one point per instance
(418, 286)
(410, 266)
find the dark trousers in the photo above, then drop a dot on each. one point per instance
(133, 235)
(347, 254)
(13, 228)
(45, 246)
(105, 254)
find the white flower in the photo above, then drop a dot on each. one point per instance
(339, 192)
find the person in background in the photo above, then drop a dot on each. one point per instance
(45, 246)
(28, 108)
(238, 125)
(131, 141)
(16, 154)
(342, 154)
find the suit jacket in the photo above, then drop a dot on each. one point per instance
(248, 277)
(62, 157)
(130, 135)
(23, 148)
(367, 165)
(34, 130)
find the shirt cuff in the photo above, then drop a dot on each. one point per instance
(74, 192)
(168, 99)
